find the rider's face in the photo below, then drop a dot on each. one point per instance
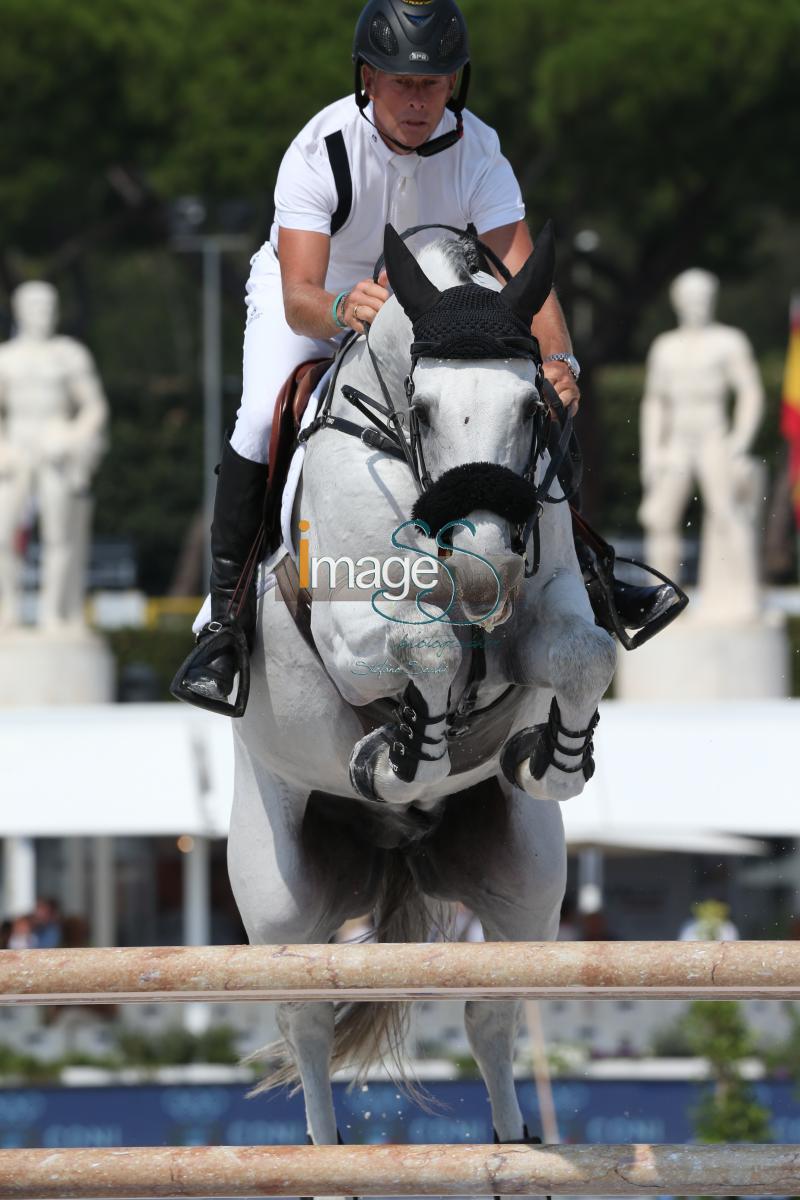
(408, 107)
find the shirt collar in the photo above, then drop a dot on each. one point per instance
(385, 153)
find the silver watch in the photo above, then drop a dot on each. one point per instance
(569, 359)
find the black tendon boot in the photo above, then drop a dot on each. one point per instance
(208, 675)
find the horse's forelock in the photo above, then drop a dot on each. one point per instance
(449, 261)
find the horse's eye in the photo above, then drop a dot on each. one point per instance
(530, 406)
(421, 411)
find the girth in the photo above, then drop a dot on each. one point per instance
(473, 734)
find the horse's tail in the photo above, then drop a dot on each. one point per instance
(375, 1032)
(372, 1032)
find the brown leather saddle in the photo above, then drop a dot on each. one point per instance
(290, 405)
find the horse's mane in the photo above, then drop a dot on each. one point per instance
(459, 256)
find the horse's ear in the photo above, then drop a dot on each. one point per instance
(530, 287)
(411, 285)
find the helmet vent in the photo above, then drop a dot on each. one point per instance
(383, 36)
(452, 39)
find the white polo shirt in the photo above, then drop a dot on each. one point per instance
(471, 181)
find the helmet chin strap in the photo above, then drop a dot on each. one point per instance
(429, 148)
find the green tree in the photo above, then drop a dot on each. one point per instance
(665, 126)
(729, 1111)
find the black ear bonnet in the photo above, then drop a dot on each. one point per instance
(469, 321)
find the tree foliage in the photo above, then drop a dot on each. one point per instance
(665, 126)
(729, 1111)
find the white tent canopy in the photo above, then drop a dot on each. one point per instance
(691, 777)
(112, 770)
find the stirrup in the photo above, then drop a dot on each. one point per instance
(540, 743)
(217, 635)
(601, 594)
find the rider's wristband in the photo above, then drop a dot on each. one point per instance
(335, 309)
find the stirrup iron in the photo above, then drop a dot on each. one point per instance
(218, 635)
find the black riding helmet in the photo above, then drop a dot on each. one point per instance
(415, 37)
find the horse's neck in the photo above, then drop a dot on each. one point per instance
(389, 346)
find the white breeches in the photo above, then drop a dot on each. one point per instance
(271, 351)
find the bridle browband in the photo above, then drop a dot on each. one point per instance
(552, 430)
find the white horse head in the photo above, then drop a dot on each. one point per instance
(475, 395)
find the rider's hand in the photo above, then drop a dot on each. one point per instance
(369, 298)
(565, 383)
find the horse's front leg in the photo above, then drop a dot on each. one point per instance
(393, 654)
(568, 653)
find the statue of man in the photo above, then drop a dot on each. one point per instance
(687, 434)
(53, 417)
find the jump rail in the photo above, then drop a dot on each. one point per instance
(482, 971)
(400, 1171)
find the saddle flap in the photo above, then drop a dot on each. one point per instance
(290, 405)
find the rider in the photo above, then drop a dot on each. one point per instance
(403, 149)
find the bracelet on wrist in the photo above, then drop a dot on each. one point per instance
(342, 324)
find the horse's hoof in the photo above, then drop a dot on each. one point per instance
(374, 776)
(537, 760)
(362, 764)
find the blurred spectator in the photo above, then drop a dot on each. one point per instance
(48, 924)
(21, 936)
(5, 931)
(709, 923)
(568, 928)
(75, 932)
(595, 928)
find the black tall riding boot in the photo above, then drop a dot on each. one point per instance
(208, 675)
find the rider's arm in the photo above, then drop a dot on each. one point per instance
(303, 258)
(512, 243)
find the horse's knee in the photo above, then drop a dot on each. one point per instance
(495, 1025)
(311, 1020)
(286, 924)
(546, 881)
(582, 661)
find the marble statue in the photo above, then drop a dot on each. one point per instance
(690, 438)
(53, 418)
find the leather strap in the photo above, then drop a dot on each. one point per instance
(297, 599)
(340, 165)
